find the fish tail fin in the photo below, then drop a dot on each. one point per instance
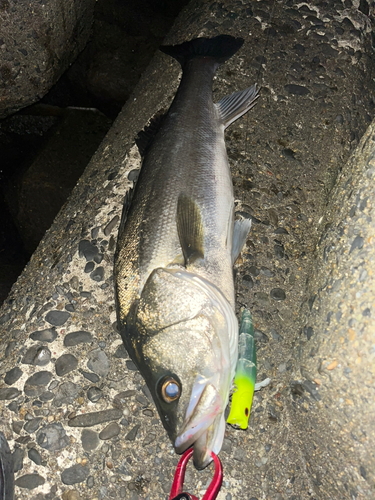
(220, 48)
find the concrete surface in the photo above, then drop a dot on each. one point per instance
(305, 275)
(54, 172)
(38, 42)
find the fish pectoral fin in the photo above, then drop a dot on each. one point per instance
(190, 229)
(237, 104)
(240, 232)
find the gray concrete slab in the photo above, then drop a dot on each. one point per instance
(75, 410)
(38, 42)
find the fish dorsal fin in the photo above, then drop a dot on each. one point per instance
(125, 209)
(240, 231)
(235, 105)
(146, 136)
(190, 229)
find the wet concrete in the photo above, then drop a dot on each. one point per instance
(305, 275)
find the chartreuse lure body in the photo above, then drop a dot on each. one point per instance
(246, 369)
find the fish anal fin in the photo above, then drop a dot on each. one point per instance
(240, 232)
(232, 107)
(190, 229)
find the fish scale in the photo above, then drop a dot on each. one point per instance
(176, 248)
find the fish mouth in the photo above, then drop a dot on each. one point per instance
(204, 424)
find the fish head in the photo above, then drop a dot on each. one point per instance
(186, 350)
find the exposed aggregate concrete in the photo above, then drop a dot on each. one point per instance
(38, 42)
(79, 417)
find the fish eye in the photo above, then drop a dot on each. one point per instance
(170, 389)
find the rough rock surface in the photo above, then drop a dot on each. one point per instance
(306, 275)
(38, 42)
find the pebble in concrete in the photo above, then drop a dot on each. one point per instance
(254, 271)
(10, 348)
(294, 89)
(75, 474)
(248, 281)
(9, 393)
(37, 356)
(98, 258)
(57, 318)
(94, 418)
(121, 398)
(46, 396)
(32, 425)
(75, 338)
(17, 426)
(278, 294)
(120, 352)
(110, 431)
(267, 272)
(98, 362)
(130, 365)
(66, 393)
(94, 394)
(260, 336)
(13, 375)
(90, 482)
(17, 456)
(133, 175)
(90, 376)
(97, 274)
(52, 437)
(35, 456)
(281, 230)
(95, 232)
(34, 385)
(87, 249)
(40, 378)
(30, 481)
(47, 335)
(262, 298)
(357, 243)
(132, 434)
(150, 438)
(65, 364)
(109, 227)
(89, 267)
(275, 335)
(90, 440)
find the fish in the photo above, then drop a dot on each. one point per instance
(176, 247)
(6, 470)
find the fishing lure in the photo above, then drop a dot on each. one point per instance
(246, 371)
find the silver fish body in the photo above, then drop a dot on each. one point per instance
(6, 470)
(175, 254)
